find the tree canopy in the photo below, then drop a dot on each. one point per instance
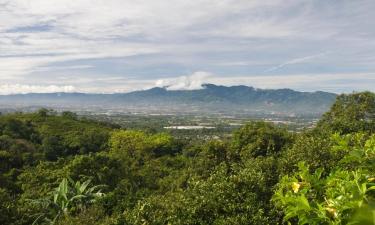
(60, 168)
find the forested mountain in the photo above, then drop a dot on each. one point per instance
(61, 169)
(210, 99)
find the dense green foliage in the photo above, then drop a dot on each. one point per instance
(61, 169)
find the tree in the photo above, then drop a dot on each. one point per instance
(314, 148)
(16, 128)
(139, 147)
(259, 139)
(99, 167)
(70, 115)
(87, 140)
(130, 146)
(8, 210)
(350, 113)
(314, 198)
(52, 147)
(241, 197)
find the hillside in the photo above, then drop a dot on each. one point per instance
(62, 169)
(210, 99)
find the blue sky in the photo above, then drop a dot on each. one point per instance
(110, 46)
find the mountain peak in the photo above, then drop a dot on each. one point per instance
(208, 85)
(214, 86)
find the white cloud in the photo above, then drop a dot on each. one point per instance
(39, 51)
(192, 82)
(6, 89)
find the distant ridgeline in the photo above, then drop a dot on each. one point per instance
(210, 99)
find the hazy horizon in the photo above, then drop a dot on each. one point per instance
(122, 46)
(53, 89)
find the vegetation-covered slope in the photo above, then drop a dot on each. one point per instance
(59, 169)
(209, 99)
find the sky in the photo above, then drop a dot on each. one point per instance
(107, 46)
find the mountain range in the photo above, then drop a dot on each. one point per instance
(210, 99)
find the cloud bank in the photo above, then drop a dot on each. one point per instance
(6, 89)
(192, 82)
